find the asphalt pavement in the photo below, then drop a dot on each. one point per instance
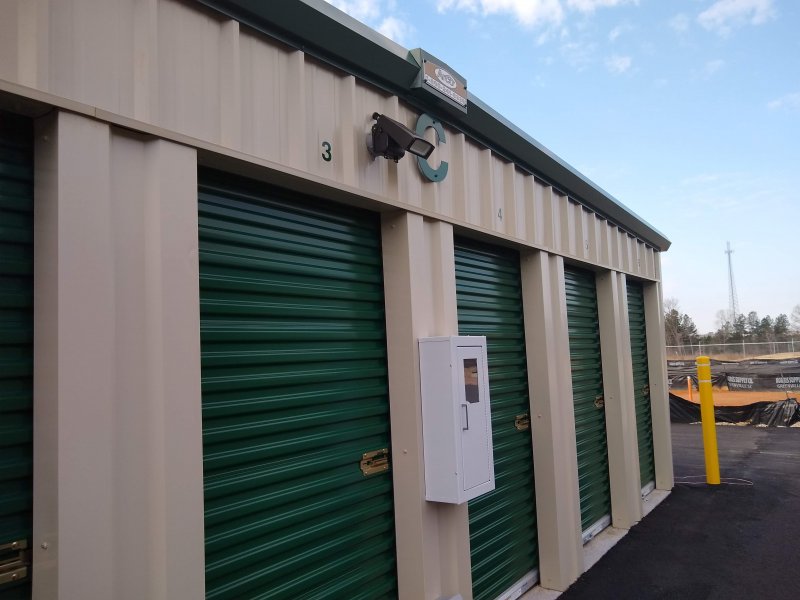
(738, 540)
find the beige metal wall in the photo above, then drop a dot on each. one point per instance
(116, 282)
(118, 473)
(192, 74)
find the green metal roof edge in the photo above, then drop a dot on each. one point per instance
(332, 36)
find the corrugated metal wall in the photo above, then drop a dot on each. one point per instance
(180, 67)
(587, 393)
(503, 538)
(641, 381)
(16, 339)
(294, 392)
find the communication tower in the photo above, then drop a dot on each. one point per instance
(733, 300)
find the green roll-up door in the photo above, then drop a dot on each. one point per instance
(502, 523)
(295, 392)
(641, 382)
(16, 352)
(587, 395)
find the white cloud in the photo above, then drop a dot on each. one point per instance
(530, 13)
(618, 64)
(363, 10)
(787, 102)
(713, 66)
(725, 15)
(395, 29)
(735, 190)
(679, 23)
(373, 13)
(618, 31)
(527, 12)
(579, 55)
(588, 6)
(702, 178)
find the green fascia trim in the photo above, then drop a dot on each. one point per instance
(328, 34)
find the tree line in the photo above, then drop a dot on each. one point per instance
(680, 329)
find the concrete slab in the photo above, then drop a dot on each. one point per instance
(652, 500)
(540, 593)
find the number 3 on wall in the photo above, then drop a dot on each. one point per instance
(327, 156)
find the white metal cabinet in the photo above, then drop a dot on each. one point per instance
(456, 418)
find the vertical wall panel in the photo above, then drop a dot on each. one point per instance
(189, 50)
(539, 220)
(528, 208)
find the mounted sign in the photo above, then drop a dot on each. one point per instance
(440, 80)
(438, 174)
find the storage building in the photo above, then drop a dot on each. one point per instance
(214, 289)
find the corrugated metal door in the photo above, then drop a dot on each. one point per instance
(587, 395)
(16, 349)
(502, 523)
(295, 391)
(641, 382)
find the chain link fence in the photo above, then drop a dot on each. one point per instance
(735, 350)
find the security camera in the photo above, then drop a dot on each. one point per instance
(391, 139)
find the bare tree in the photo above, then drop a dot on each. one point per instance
(724, 325)
(795, 318)
(672, 322)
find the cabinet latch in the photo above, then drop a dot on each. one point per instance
(522, 422)
(375, 462)
(14, 567)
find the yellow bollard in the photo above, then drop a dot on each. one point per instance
(689, 386)
(703, 364)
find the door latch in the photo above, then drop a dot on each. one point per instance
(522, 422)
(14, 567)
(599, 401)
(375, 462)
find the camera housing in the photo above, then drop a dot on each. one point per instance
(391, 139)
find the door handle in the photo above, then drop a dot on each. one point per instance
(465, 418)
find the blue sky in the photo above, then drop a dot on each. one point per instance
(687, 111)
